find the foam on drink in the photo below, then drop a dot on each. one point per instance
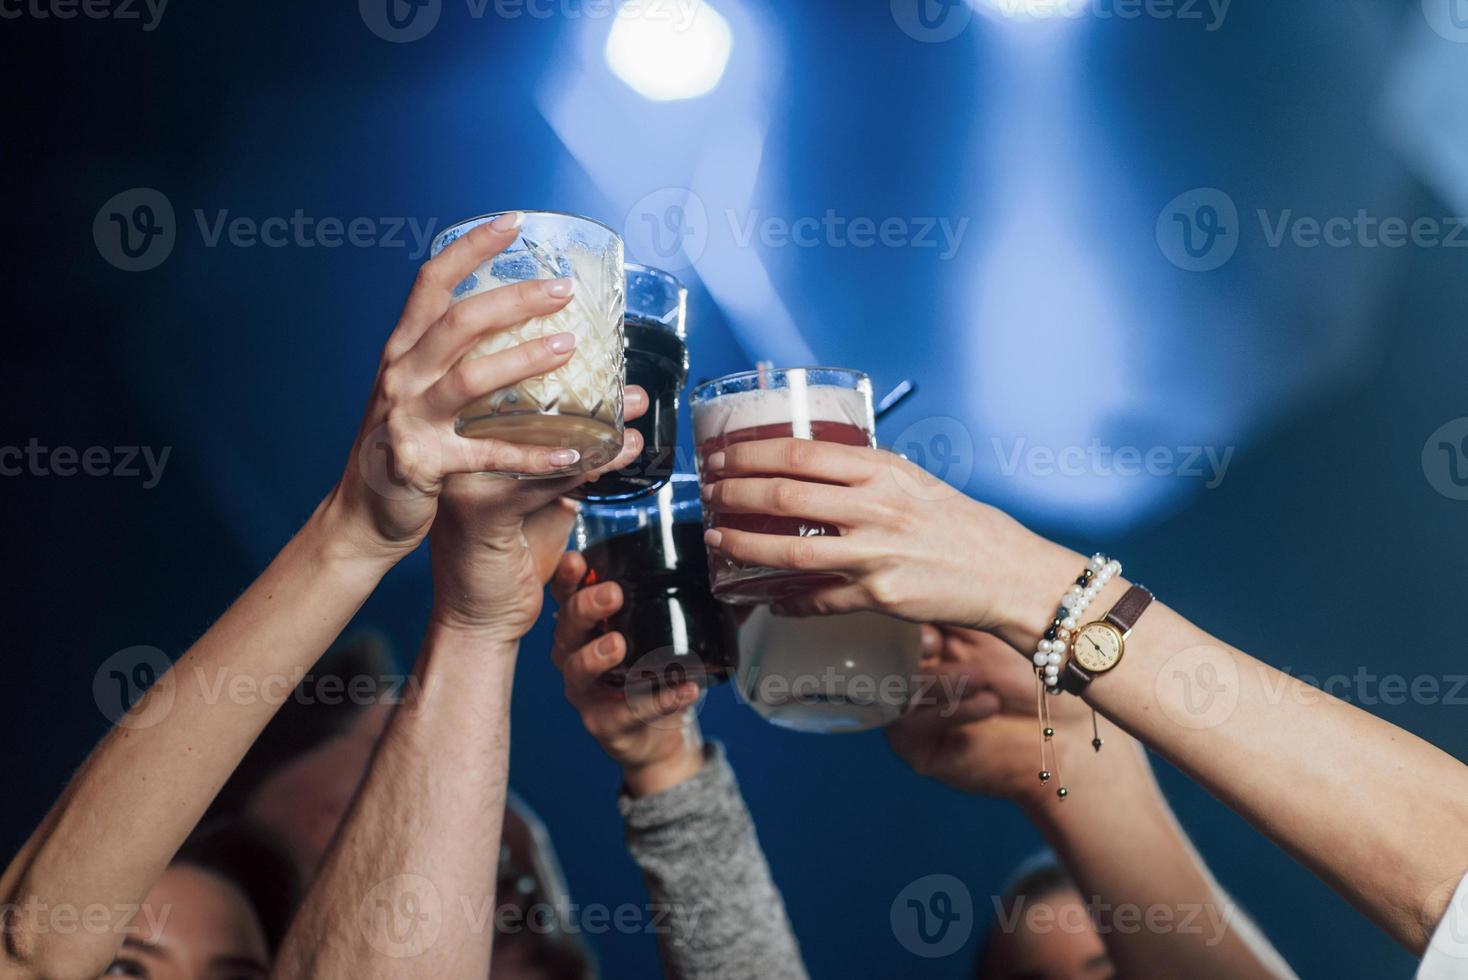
(822, 413)
(726, 418)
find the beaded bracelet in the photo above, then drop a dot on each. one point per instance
(1051, 651)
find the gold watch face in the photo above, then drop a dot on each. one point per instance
(1097, 647)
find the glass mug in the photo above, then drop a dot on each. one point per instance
(828, 674)
(657, 359)
(578, 405)
(653, 548)
(819, 403)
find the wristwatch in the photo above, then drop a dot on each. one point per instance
(1098, 647)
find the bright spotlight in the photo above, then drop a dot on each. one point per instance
(669, 49)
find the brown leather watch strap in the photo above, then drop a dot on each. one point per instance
(1129, 609)
(1074, 677)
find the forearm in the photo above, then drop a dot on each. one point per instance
(412, 870)
(141, 791)
(721, 916)
(1159, 911)
(1379, 814)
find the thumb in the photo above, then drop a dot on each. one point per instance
(547, 531)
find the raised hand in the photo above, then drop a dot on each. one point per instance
(407, 446)
(652, 734)
(910, 546)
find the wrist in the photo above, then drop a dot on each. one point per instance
(652, 778)
(348, 540)
(1037, 572)
(456, 628)
(328, 535)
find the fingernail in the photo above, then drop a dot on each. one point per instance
(604, 598)
(712, 537)
(606, 646)
(715, 462)
(561, 343)
(559, 288)
(508, 221)
(563, 457)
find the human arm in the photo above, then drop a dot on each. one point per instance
(134, 800)
(408, 886)
(718, 913)
(1349, 795)
(1114, 833)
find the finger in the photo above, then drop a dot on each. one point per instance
(829, 601)
(827, 462)
(491, 456)
(632, 446)
(783, 550)
(433, 290)
(635, 402)
(842, 506)
(649, 704)
(932, 642)
(570, 570)
(475, 377)
(584, 667)
(580, 618)
(546, 531)
(497, 309)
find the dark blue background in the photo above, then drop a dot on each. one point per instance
(1324, 550)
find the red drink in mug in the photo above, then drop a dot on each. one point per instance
(822, 404)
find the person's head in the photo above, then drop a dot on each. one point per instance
(298, 781)
(1044, 931)
(218, 912)
(532, 941)
(299, 777)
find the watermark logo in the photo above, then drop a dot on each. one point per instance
(402, 916)
(135, 230)
(1198, 688)
(1097, 459)
(942, 448)
(933, 916)
(670, 228)
(400, 21)
(1198, 231)
(932, 21)
(1449, 18)
(1445, 459)
(147, 12)
(399, 456)
(129, 679)
(127, 462)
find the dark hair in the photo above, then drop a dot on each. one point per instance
(1034, 879)
(246, 857)
(305, 720)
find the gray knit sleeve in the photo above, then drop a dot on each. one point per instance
(721, 915)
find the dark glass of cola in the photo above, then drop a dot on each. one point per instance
(657, 359)
(675, 629)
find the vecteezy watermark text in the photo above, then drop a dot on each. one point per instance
(1200, 230)
(34, 459)
(149, 13)
(136, 230)
(1207, 463)
(1186, 918)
